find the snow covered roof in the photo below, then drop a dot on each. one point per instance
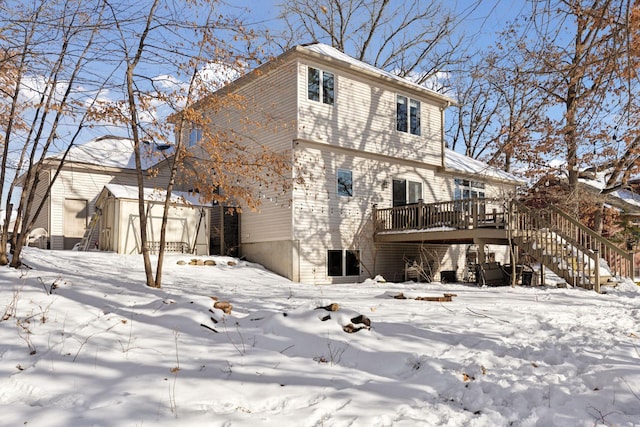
(623, 195)
(114, 151)
(461, 163)
(152, 195)
(331, 52)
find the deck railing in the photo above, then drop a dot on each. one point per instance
(553, 234)
(553, 237)
(455, 214)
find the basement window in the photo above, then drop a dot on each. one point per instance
(334, 263)
(352, 263)
(343, 263)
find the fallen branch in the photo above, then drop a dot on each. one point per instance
(488, 317)
(208, 327)
(444, 298)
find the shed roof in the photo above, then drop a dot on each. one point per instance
(130, 192)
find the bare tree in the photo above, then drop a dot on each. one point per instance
(50, 48)
(574, 57)
(412, 39)
(629, 136)
(187, 42)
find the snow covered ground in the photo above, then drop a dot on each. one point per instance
(84, 343)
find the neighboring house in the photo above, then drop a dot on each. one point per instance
(119, 226)
(86, 170)
(360, 137)
(625, 200)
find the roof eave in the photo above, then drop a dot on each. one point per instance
(466, 174)
(444, 100)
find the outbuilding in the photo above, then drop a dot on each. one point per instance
(117, 221)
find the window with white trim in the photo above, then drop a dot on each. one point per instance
(345, 182)
(407, 115)
(467, 189)
(320, 85)
(406, 192)
(343, 263)
(195, 135)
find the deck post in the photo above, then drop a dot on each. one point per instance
(597, 270)
(474, 214)
(374, 215)
(420, 214)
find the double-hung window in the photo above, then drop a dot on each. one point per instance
(407, 115)
(195, 135)
(320, 86)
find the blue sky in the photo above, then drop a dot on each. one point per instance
(482, 18)
(480, 23)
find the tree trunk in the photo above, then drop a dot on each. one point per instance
(598, 218)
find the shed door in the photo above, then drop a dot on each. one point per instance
(75, 221)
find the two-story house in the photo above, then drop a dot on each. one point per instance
(360, 138)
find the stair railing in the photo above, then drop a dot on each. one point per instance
(567, 247)
(620, 261)
(533, 231)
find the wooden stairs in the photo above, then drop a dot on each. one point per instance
(562, 244)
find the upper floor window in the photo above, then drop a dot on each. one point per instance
(320, 85)
(407, 115)
(345, 183)
(195, 135)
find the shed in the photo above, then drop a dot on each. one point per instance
(118, 225)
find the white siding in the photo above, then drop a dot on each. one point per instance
(72, 185)
(266, 118)
(41, 192)
(81, 184)
(324, 220)
(363, 118)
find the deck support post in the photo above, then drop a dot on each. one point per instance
(597, 270)
(374, 215)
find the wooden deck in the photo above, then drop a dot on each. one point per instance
(459, 221)
(550, 236)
